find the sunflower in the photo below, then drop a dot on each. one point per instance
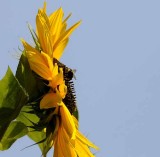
(50, 39)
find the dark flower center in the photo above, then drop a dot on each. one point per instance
(70, 98)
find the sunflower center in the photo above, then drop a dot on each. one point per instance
(70, 98)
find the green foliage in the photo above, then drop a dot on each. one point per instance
(15, 131)
(33, 85)
(31, 120)
(35, 38)
(19, 100)
(31, 114)
(12, 98)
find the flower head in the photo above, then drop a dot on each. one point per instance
(51, 38)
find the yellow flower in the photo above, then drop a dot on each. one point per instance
(52, 35)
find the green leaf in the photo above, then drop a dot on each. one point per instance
(12, 99)
(33, 86)
(37, 130)
(36, 88)
(29, 120)
(34, 36)
(15, 131)
(76, 113)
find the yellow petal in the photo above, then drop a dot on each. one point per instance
(57, 148)
(63, 90)
(67, 121)
(64, 24)
(82, 149)
(65, 20)
(43, 27)
(50, 100)
(57, 53)
(56, 24)
(75, 122)
(48, 61)
(66, 34)
(85, 141)
(44, 6)
(41, 64)
(28, 47)
(57, 77)
(64, 142)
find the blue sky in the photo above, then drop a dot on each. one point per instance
(116, 52)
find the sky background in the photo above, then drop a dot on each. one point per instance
(116, 52)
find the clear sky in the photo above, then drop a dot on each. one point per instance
(116, 52)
